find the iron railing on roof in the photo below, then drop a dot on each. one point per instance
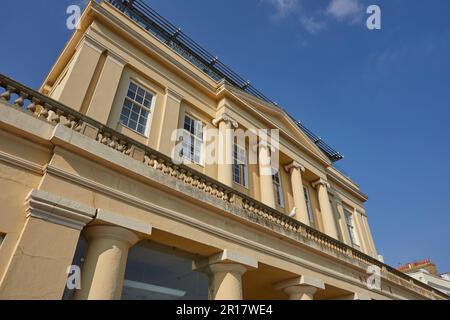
(166, 32)
(327, 149)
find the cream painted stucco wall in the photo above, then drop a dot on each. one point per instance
(94, 80)
(127, 61)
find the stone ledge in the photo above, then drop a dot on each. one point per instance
(119, 220)
(54, 209)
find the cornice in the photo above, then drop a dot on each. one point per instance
(21, 163)
(52, 208)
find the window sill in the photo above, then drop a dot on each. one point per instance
(190, 163)
(132, 130)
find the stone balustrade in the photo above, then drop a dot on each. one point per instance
(28, 100)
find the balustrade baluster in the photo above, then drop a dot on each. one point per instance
(6, 95)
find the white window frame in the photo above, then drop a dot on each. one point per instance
(196, 138)
(312, 219)
(149, 109)
(278, 189)
(351, 227)
(242, 164)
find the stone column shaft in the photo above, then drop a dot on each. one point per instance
(301, 212)
(225, 271)
(329, 221)
(226, 281)
(265, 176)
(103, 272)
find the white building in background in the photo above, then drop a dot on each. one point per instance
(426, 272)
(441, 283)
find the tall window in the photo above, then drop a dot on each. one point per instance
(136, 109)
(240, 166)
(278, 189)
(309, 207)
(193, 140)
(351, 228)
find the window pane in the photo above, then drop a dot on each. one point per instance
(142, 121)
(141, 129)
(131, 94)
(192, 139)
(134, 116)
(133, 87)
(141, 92)
(239, 165)
(123, 119)
(148, 96)
(187, 124)
(126, 112)
(157, 272)
(277, 188)
(132, 124)
(127, 104)
(147, 103)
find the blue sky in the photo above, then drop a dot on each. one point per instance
(382, 98)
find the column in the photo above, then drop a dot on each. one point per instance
(225, 271)
(343, 226)
(169, 122)
(365, 223)
(265, 175)
(301, 288)
(361, 233)
(226, 281)
(73, 88)
(329, 221)
(103, 271)
(100, 97)
(225, 147)
(301, 211)
(45, 248)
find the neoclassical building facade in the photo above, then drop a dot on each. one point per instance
(94, 205)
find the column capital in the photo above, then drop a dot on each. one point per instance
(302, 281)
(301, 288)
(92, 43)
(294, 165)
(55, 209)
(321, 182)
(120, 61)
(224, 117)
(235, 268)
(299, 291)
(263, 144)
(178, 97)
(226, 257)
(113, 233)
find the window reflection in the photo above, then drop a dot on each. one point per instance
(156, 272)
